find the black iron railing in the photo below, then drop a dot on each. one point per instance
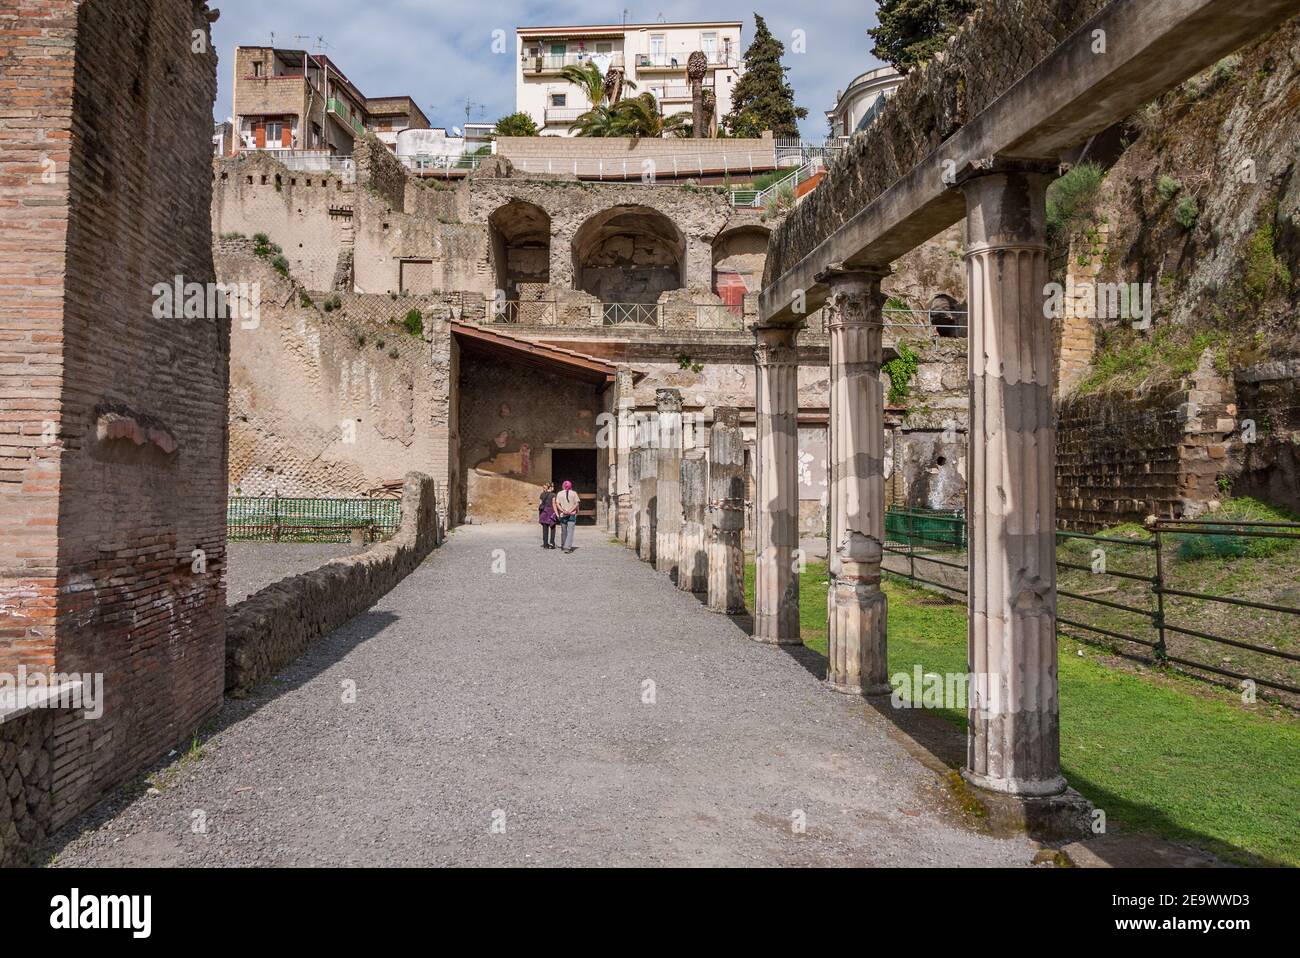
(1130, 592)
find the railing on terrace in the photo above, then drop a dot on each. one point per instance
(441, 163)
(316, 161)
(277, 519)
(550, 314)
(758, 199)
(1132, 594)
(799, 152)
(647, 168)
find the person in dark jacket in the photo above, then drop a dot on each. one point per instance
(546, 516)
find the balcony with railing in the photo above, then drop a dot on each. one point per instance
(556, 115)
(651, 62)
(340, 110)
(555, 62)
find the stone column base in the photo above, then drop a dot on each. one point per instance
(1064, 815)
(856, 624)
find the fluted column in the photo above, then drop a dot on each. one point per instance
(776, 494)
(1013, 742)
(668, 480)
(726, 512)
(856, 606)
(692, 560)
(620, 490)
(646, 520)
(631, 525)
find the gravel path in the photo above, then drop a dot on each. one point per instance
(251, 566)
(514, 700)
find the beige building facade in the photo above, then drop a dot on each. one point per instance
(651, 55)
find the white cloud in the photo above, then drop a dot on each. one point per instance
(440, 51)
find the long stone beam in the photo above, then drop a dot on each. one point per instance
(1150, 46)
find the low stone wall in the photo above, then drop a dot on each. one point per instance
(272, 627)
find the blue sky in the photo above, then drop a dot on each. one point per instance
(440, 51)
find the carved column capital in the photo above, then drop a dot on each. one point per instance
(776, 345)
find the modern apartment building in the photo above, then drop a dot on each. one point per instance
(295, 100)
(652, 55)
(857, 104)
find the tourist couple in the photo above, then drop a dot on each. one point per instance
(562, 509)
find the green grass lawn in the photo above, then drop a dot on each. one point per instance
(1157, 752)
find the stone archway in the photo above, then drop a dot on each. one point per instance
(520, 234)
(629, 254)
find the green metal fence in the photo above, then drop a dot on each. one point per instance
(933, 528)
(278, 519)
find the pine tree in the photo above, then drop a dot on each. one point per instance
(912, 31)
(762, 98)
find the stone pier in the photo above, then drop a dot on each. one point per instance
(668, 403)
(647, 513)
(856, 607)
(693, 562)
(624, 436)
(776, 494)
(630, 531)
(1013, 740)
(726, 512)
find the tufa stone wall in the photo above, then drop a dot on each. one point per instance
(329, 401)
(271, 628)
(308, 214)
(1268, 395)
(999, 43)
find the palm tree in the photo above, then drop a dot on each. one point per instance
(640, 117)
(591, 81)
(600, 120)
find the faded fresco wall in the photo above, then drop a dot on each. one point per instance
(511, 416)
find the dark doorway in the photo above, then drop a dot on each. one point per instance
(579, 467)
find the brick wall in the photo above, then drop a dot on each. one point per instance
(134, 479)
(36, 78)
(1121, 458)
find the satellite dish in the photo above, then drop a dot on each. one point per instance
(455, 131)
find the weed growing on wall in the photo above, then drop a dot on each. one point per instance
(901, 370)
(414, 323)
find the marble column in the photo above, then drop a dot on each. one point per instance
(620, 489)
(668, 402)
(692, 561)
(1013, 742)
(776, 494)
(646, 520)
(726, 512)
(630, 526)
(856, 606)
